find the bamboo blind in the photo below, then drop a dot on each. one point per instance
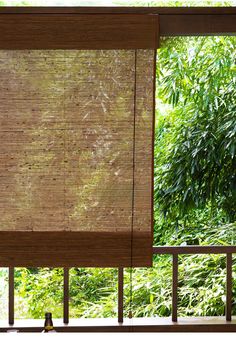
(76, 153)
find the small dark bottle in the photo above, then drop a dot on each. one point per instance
(48, 324)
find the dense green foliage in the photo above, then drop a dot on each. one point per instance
(195, 200)
(196, 148)
(195, 180)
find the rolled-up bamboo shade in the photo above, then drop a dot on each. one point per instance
(76, 157)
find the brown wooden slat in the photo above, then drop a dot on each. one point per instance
(69, 249)
(11, 296)
(120, 294)
(175, 288)
(194, 249)
(228, 287)
(121, 9)
(66, 295)
(191, 25)
(69, 31)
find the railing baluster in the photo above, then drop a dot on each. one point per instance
(174, 287)
(228, 286)
(66, 296)
(11, 295)
(120, 293)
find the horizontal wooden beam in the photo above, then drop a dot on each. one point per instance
(120, 10)
(78, 31)
(194, 24)
(194, 249)
(174, 21)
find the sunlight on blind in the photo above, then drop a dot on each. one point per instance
(76, 141)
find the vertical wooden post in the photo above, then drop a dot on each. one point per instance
(11, 295)
(228, 286)
(174, 287)
(66, 296)
(120, 293)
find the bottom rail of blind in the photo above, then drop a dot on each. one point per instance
(155, 324)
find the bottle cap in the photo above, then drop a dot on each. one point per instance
(48, 315)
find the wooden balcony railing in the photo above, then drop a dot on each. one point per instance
(145, 324)
(177, 250)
